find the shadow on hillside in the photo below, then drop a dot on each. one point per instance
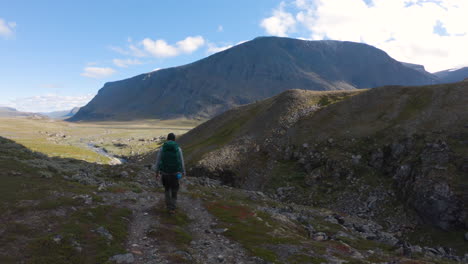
(50, 207)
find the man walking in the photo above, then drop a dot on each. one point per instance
(170, 165)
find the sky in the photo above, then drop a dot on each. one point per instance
(55, 55)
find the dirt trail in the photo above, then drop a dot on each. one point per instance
(208, 244)
(143, 248)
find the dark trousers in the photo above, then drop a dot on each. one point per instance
(171, 187)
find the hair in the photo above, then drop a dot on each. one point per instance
(171, 136)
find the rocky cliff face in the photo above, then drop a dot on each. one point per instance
(252, 71)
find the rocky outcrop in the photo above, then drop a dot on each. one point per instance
(422, 179)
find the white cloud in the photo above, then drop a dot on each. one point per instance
(213, 48)
(97, 72)
(135, 51)
(125, 63)
(7, 28)
(280, 23)
(406, 29)
(220, 28)
(49, 102)
(159, 48)
(190, 44)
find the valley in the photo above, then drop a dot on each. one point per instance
(83, 141)
(363, 176)
(234, 132)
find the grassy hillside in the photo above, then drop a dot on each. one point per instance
(393, 154)
(45, 218)
(257, 121)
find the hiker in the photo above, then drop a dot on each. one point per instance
(170, 165)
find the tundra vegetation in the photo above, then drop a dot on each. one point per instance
(372, 176)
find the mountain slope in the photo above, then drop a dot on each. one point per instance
(62, 114)
(12, 112)
(450, 76)
(396, 155)
(251, 71)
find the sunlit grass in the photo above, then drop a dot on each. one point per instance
(71, 139)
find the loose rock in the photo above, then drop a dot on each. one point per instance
(123, 258)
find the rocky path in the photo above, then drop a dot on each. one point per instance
(193, 235)
(208, 244)
(146, 245)
(141, 249)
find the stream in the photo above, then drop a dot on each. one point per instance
(101, 151)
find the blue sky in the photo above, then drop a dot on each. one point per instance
(58, 54)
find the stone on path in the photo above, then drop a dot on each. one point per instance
(123, 258)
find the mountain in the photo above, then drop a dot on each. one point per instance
(251, 71)
(453, 75)
(12, 112)
(62, 114)
(420, 68)
(393, 154)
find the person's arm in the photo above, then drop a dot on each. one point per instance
(158, 160)
(182, 160)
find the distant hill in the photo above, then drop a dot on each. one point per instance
(454, 75)
(251, 71)
(62, 114)
(12, 112)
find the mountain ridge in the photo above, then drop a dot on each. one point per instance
(251, 71)
(12, 112)
(453, 75)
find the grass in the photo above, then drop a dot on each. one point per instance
(25, 193)
(62, 150)
(31, 187)
(78, 229)
(56, 202)
(13, 231)
(34, 134)
(429, 236)
(364, 244)
(331, 98)
(300, 258)
(286, 173)
(173, 228)
(254, 230)
(418, 100)
(124, 187)
(222, 136)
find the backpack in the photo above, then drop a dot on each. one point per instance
(170, 158)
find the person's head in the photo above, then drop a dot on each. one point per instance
(171, 137)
